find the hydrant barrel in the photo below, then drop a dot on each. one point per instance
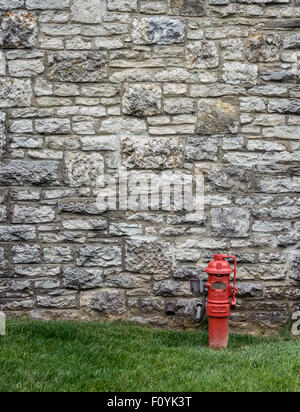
(218, 304)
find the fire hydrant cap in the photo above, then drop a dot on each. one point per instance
(219, 266)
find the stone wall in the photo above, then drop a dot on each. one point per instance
(209, 86)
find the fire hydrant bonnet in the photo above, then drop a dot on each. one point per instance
(219, 266)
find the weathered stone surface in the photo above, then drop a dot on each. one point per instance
(292, 41)
(77, 278)
(55, 126)
(187, 272)
(85, 224)
(26, 68)
(83, 12)
(228, 178)
(2, 64)
(250, 289)
(148, 257)
(29, 214)
(230, 222)
(284, 106)
(170, 288)
(217, 117)
(15, 93)
(110, 302)
(154, 153)
(26, 254)
(58, 254)
(22, 172)
(240, 74)
(263, 47)
(11, 4)
(17, 233)
(284, 75)
(82, 207)
(122, 5)
(125, 229)
(102, 255)
(127, 126)
(84, 169)
(158, 30)
(282, 293)
(202, 148)
(60, 302)
(78, 67)
(202, 54)
(187, 7)
(47, 4)
(142, 100)
(16, 289)
(3, 261)
(2, 134)
(18, 30)
(295, 265)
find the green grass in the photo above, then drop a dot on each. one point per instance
(74, 356)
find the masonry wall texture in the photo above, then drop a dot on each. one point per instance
(200, 86)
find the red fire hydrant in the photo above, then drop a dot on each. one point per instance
(218, 304)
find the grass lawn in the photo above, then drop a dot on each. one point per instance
(74, 356)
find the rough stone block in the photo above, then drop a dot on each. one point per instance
(47, 4)
(263, 47)
(202, 54)
(101, 255)
(123, 126)
(202, 148)
(284, 106)
(59, 302)
(86, 12)
(170, 288)
(11, 4)
(17, 233)
(77, 278)
(110, 302)
(122, 5)
(3, 261)
(54, 126)
(15, 93)
(187, 7)
(21, 172)
(158, 30)
(142, 100)
(148, 257)
(295, 265)
(33, 214)
(2, 64)
(291, 41)
(2, 134)
(237, 73)
(18, 30)
(230, 222)
(58, 254)
(26, 254)
(217, 117)
(154, 153)
(78, 67)
(26, 68)
(247, 290)
(84, 169)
